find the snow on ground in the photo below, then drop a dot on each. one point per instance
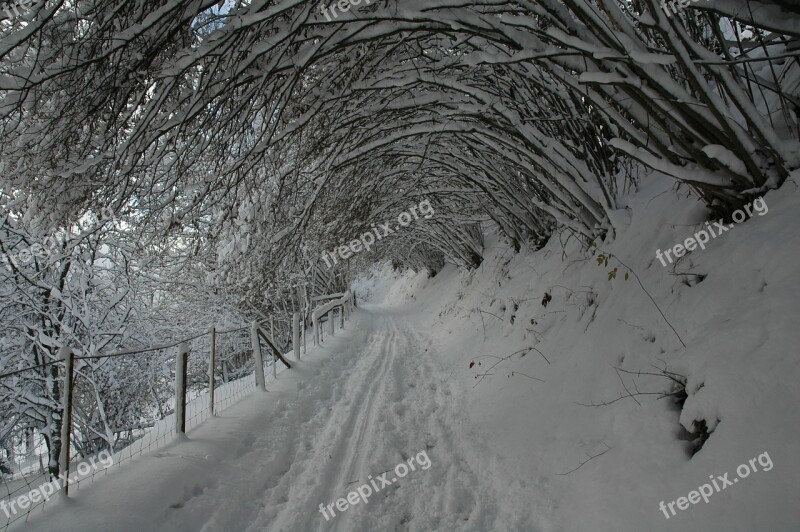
(735, 305)
(424, 367)
(356, 408)
(161, 433)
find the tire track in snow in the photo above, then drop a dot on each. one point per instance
(393, 402)
(295, 444)
(365, 435)
(466, 487)
(359, 443)
(369, 437)
(332, 442)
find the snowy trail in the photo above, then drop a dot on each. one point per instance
(372, 398)
(393, 405)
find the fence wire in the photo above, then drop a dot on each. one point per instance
(234, 370)
(120, 410)
(26, 396)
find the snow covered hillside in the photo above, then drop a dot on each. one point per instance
(734, 304)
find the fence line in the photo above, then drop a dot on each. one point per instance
(168, 402)
(344, 304)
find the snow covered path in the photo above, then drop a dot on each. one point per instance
(372, 398)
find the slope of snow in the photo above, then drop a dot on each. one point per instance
(735, 306)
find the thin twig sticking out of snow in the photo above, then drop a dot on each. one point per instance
(591, 457)
(648, 294)
(500, 360)
(675, 377)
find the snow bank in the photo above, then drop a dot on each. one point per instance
(608, 467)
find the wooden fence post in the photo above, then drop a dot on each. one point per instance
(307, 301)
(274, 362)
(68, 357)
(296, 335)
(341, 317)
(331, 317)
(181, 368)
(212, 362)
(259, 362)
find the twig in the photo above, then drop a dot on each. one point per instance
(607, 403)
(668, 374)
(591, 457)
(500, 360)
(648, 295)
(626, 388)
(630, 324)
(574, 291)
(570, 290)
(544, 357)
(518, 301)
(484, 327)
(546, 313)
(487, 312)
(525, 375)
(482, 376)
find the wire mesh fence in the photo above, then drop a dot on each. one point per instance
(123, 404)
(272, 364)
(117, 415)
(23, 465)
(234, 368)
(120, 409)
(145, 379)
